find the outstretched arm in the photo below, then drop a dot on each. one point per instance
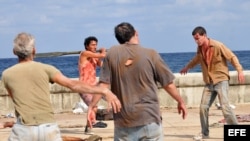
(184, 70)
(173, 92)
(81, 87)
(190, 65)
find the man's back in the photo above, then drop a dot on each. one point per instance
(134, 71)
(29, 84)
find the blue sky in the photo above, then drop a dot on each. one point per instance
(165, 25)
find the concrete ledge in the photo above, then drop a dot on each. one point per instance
(190, 87)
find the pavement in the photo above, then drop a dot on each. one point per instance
(175, 128)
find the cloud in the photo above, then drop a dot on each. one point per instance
(4, 21)
(199, 3)
(45, 20)
(157, 21)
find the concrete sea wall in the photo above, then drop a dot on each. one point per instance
(190, 87)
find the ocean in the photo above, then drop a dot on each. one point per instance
(175, 61)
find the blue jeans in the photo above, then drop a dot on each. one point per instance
(209, 94)
(150, 132)
(43, 132)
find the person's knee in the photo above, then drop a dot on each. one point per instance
(202, 106)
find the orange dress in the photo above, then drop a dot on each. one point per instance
(87, 74)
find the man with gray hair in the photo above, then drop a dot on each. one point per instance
(28, 85)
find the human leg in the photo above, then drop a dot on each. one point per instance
(50, 132)
(222, 89)
(87, 98)
(92, 121)
(208, 96)
(149, 132)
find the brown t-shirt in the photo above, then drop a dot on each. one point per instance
(29, 85)
(133, 72)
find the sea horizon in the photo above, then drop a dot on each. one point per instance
(78, 54)
(68, 64)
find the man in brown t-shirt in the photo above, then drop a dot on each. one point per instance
(132, 73)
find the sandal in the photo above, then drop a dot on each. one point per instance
(100, 125)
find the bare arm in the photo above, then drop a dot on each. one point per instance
(81, 87)
(103, 52)
(96, 99)
(241, 77)
(91, 54)
(190, 65)
(172, 90)
(77, 86)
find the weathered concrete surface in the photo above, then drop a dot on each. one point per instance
(190, 87)
(175, 128)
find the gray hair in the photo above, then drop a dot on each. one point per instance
(23, 45)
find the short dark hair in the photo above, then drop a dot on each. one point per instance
(124, 32)
(200, 30)
(88, 40)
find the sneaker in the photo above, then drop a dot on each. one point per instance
(199, 137)
(232, 106)
(218, 106)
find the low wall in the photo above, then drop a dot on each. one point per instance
(190, 87)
